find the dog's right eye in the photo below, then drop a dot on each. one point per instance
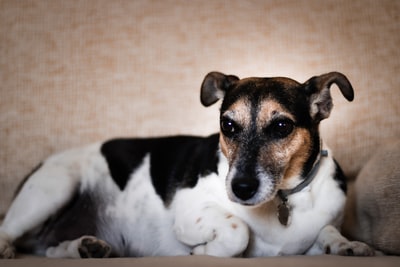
(281, 128)
(228, 127)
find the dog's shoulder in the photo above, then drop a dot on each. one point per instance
(175, 162)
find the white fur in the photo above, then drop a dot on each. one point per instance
(200, 220)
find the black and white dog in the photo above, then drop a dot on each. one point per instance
(265, 185)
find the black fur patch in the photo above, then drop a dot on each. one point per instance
(340, 177)
(175, 162)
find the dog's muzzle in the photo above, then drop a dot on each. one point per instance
(250, 188)
(245, 188)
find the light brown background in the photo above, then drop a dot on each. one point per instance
(76, 72)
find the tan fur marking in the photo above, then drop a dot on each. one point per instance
(290, 154)
(269, 109)
(223, 146)
(299, 150)
(240, 112)
(228, 216)
(228, 148)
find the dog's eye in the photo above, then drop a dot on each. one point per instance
(228, 127)
(282, 128)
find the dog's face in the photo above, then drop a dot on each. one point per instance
(269, 129)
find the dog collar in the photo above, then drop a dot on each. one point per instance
(284, 207)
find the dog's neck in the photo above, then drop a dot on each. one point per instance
(284, 193)
(284, 207)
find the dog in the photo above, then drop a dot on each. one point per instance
(265, 185)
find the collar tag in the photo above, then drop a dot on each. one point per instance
(284, 213)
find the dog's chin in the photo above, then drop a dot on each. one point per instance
(256, 201)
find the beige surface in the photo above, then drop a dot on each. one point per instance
(194, 261)
(75, 72)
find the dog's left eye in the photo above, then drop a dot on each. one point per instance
(228, 127)
(281, 128)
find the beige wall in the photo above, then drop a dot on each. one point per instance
(76, 72)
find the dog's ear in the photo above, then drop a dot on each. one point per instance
(318, 90)
(214, 87)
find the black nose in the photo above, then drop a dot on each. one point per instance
(245, 188)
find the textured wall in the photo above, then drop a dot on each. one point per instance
(75, 72)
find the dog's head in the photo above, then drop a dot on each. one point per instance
(269, 129)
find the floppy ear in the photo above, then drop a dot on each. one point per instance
(318, 89)
(214, 87)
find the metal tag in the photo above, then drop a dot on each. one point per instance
(283, 213)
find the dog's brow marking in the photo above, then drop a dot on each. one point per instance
(269, 109)
(240, 112)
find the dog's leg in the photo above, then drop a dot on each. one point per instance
(83, 247)
(212, 231)
(46, 191)
(330, 241)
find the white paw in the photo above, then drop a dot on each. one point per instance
(350, 248)
(229, 238)
(211, 231)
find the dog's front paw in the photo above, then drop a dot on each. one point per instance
(350, 248)
(229, 238)
(92, 247)
(212, 231)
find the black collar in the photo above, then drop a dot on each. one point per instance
(283, 194)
